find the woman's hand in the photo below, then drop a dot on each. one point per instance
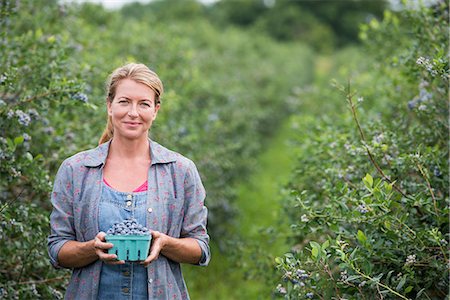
(181, 250)
(158, 242)
(101, 247)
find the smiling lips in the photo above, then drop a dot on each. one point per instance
(132, 124)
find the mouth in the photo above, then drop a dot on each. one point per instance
(132, 123)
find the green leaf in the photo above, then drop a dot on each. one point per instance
(419, 294)
(377, 278)
(289, 255)
(342, 253)
(278, 260)
(18, 140)
(408, 289)
(389, 274)
(388, 187)
(315, 249)
(325, 244)
(11, 145)
(353, 277)
(91, 106)
(29, 156)
(361, 237)
(368, 181)
(401, 284)
(354, 252)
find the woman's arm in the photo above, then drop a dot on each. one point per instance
(61, 218)
(181, 250)
(63, 248)
(75, 254)
(193, 244)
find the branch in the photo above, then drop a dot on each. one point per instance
(429, 187)
(328, 271)
(11, 201)
(42, 281)
(51, 92)
(349, 97)
(378, 283)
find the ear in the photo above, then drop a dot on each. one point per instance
(108, 106)
(157, 107)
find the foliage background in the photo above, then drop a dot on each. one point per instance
(360, 217)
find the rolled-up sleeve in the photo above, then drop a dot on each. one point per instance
(61, 218)
(196, 213)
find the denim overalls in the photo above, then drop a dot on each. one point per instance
(128, 281)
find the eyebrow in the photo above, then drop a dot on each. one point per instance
(124, 97)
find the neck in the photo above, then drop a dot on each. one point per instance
(129, 149)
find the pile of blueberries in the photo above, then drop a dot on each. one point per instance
(128, 227)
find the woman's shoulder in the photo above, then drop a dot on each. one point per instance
(161, 154)
(89, 158)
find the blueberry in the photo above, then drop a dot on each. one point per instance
(80, 97)
(128, 227)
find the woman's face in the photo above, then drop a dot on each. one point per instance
(133, 109)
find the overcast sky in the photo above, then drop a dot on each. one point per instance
(113, 4)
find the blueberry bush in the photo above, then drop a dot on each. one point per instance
(39, 90)
(368, 199)
(226, 92)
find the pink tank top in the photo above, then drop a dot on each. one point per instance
(142, 188)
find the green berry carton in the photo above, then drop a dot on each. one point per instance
(131, 240)
(129, 247)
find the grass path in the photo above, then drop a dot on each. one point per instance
(258, 203)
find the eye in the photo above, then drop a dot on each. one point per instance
(145, 104)
(122, 101)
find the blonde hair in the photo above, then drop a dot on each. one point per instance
(137, 72)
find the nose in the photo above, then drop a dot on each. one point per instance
(132, 112)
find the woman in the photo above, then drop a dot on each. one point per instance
(128, 176)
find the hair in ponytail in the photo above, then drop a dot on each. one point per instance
(137, 72)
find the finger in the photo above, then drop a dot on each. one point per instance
(100, 241)
(102, 245)
(155, 234)
(101, 250)
(106, 257)
(109, 258)
(101, 236)
(115, 262)
(149, 260)
(154, 254)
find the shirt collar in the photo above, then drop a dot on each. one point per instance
(158, 154)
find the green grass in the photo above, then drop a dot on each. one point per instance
(258, 203)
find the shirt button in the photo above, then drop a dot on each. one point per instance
(150, 280)
(125, 290)
(150, 209)
(129, 197)
(128, 203)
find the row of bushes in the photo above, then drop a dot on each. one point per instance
(225, 92)
(368, 199)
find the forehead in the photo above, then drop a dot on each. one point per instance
(134, 90)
